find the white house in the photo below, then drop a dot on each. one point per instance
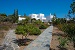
(49, 18)
(38, 16)
(21, 18)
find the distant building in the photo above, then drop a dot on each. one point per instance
(38, 16)
(21, 18)
(49, 18)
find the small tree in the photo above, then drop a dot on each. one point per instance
(72, 11)
(73, 7)
(21, 30)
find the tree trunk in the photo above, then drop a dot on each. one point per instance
(22, 36)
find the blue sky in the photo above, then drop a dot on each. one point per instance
(59, 7)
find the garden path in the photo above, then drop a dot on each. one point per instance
(42, 42)
(9, 43)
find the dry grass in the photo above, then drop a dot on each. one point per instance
(2, 35)
(4, 27)
(55, 42)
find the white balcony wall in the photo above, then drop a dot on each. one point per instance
(38, 16)
(21, 18)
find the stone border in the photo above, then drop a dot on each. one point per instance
(9, 43)
(42, 42)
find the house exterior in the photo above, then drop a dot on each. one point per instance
(38, 16)
(21, 18)
(49, 18)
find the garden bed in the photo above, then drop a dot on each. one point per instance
(55, 42)
(30, 38)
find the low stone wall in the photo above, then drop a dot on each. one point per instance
(9, 43)
(42, 42)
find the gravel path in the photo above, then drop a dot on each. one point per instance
(9, 42)
(42, 42)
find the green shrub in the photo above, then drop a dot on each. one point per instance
(59, 26)
(32, 30)
(19, 29)
(63, 42)
(38, 22)
(35, 31)
(28, 28)
(69, 30)
(42, 27)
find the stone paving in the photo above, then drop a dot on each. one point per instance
(42, 42)
(9, 42)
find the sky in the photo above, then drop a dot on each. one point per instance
(59, 7)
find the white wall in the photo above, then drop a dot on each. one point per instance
(38, 16)
(21, 18)
(49, 18)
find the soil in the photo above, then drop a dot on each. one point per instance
(54, 45)
(30, 38)
(3, 33)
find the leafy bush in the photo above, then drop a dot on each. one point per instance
(28, 28)
(19, 29)
(60, 26)
(69, 30)
(35, 31)
(38, 22)
(32, 30)
(63, 42)
(42, 27)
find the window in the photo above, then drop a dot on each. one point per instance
(33, 15)
(37, 16)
